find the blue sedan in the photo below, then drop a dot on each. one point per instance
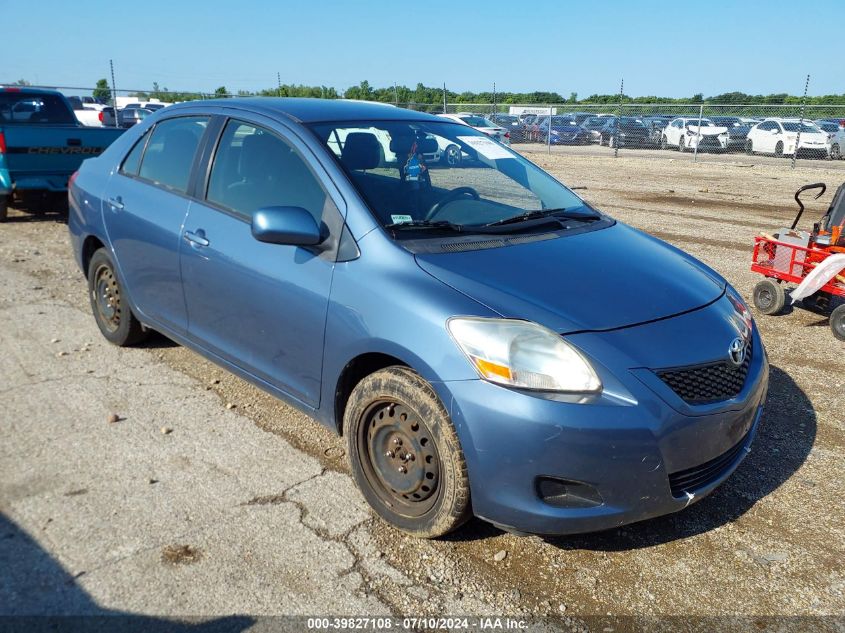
(487, 341)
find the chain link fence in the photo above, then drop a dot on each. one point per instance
(781, 133)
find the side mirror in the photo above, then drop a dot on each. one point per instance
(285, 225)
(776, 131)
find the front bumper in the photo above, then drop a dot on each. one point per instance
(630, 445)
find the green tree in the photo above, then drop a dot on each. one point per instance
(22, 82)
(573, 97)
(221, 92)
(101, 90)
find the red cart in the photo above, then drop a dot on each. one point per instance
(790, 255)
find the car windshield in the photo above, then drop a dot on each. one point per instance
(37, 109)
(432, 174)
(629, 122)
(563, 120)
(504, 118)
(727, 121)
(827, 126)
(477, 121)
(792, 126)
(704, 122)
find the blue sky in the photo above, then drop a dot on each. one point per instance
(663, 48)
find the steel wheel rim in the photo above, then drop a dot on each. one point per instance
(399, 457)
(765, 297)
(837, 323)
(452, 156)
(106, 296)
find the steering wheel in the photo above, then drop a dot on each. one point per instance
(451, 197)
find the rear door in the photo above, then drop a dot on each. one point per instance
(144, 208)
(259, 306)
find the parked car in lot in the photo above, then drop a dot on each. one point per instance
(780, 137)
(655, 124)
(689, 133)
(512, 124)
(41, 144)
(420, 318)
(836, 144)
(132, 116)
(624, 132)
(564, 131)
(737, 131)
(593, 125)
(482, 124)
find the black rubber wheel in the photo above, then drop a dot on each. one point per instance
(108, 303)
(835, 152)
(452, 156)
(405, 454)
(664, 142)
(837, 322)
(769, 297)
(779, 149)
(681, 147)
(4, 208)
(749, 147)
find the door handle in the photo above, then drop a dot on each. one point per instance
(116, 203)
(197, 238)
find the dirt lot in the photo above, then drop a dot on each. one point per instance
(770, 542)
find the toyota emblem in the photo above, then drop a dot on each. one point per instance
(736, 351)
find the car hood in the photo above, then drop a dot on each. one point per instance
(707, 130)
(596, 280)
(567, 129)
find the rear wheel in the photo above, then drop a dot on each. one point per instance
(779, 149)
(108, 303)
(837, 322)
(452, 156)
(769, 297)
(681, 144)
(405, 454)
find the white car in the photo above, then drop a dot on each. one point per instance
(481, 124)
(689, 133)
(836, 141)
(779, 137)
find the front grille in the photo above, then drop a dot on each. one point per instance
(708, 383)
(704, 474)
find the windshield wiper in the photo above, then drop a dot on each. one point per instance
(426, 224)
(545, 213)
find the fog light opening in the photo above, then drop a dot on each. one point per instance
(565, 493)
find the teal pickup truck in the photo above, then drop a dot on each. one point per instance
(41, 145)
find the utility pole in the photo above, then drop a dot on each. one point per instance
(619, 118)
(279, 82)
(494, 97)
(395, 95)
(113, 92)
(444, 97)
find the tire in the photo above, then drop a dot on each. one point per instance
(388, 412)
(749, 147)
(108, 303)
(611, 141)
(452, 156)
(681, 147)
(835, 152)
(664, 142)
(779, 149)
(4, 208)
(837, 322)
(769, 297)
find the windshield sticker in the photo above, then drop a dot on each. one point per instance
(487, 147)
(400, 219)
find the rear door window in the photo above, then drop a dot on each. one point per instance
(170, 153)
(34, 108)
(133, 159)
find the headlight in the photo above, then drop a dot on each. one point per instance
(741, 309)
(523, 354)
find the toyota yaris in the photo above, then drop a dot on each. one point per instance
(488, 342)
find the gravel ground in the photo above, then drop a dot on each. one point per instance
(767, 544)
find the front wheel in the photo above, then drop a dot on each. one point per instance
(452, 156)
(835, 152)
(749, 147)
(108, 303)
(769, 297)
(611, 141)
(405, 454)
(837, 322)
(779, 149)
(664, 142)
(681, 147)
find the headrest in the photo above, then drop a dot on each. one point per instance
(258, 155)
(401, 145)
(361, 150)
(428, 145)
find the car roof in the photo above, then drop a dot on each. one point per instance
(303, 110)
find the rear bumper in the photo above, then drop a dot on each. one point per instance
(32, 182)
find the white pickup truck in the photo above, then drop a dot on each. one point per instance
(88, 111)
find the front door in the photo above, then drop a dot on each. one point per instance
(259, 306)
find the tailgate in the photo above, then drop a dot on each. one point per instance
(32, 150)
